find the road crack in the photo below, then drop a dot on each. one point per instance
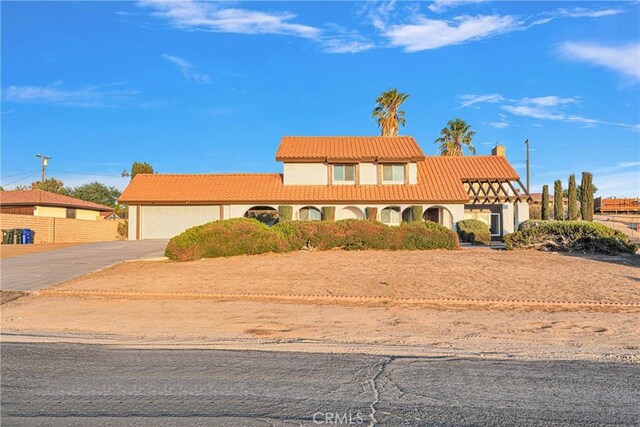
(381, 366)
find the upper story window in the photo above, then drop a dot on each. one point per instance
(344, 173)
(393, 174)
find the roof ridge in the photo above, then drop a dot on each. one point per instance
(213, 173)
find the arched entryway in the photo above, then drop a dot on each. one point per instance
(407, 215)
(264, 214)
(350, 212)
(390, 215)
(309, 213)
(439, 215)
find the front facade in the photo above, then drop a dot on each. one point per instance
(357, 177)
(52, 205)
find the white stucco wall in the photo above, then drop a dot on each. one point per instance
(413, 173)
(507, 218)
(521, 213)
(368, 174)
(305, 174)
(132, 221)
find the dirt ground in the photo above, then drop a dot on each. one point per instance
(390, 327)
(8, 251)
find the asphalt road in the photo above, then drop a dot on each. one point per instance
(61, 384)
(40, 270)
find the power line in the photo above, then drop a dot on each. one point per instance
(22, 179)
(84, 173)
(17, 174)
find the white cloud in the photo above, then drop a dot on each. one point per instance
(438, 6)
(625, 165)
(580, 12)
(499, 124)
(425, 34)
(468, 99)
(622, 184)
(86, 96)
(187, 69)
(623, 59)
(341, 45)
(549, 101)
(212, 17)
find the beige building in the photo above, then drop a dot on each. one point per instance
(382, 178)
(52, 205)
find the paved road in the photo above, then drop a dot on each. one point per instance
(40, 270)
(62, 384)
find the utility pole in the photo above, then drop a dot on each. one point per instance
(45, 163)
(528, 170)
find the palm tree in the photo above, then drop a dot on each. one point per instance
(456, 135)
(387, 111)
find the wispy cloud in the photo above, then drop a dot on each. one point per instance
(581, 12)
(343, 40)
(187, 69)
(469, 99)
(499, 124)
(57, 94)
(213, 17)
(439, 6)
(622, 59)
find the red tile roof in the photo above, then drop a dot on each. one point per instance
(439, 180)
(348, 148)
(46, 198)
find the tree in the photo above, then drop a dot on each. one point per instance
(50, 184)
(565, 192)
(387, 111)
(137, 168)
(573, 198)
(97, 192)
(454, 137)
(586, 196)
(558, 201)
(545, 202)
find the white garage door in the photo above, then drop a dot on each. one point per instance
(164, 222)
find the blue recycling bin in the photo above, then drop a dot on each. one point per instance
(25, 236)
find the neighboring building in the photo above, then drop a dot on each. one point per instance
(352, 174)
(46, 204)
(617, 205)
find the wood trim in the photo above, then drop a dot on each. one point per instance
(138, 213)
(406, 173)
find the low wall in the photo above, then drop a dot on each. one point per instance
(62, 230)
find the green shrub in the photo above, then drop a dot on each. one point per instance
(365, 234)
(285, 213)
(321, 235)
(416, 213)
(123, 229)
(474, 231)
(372, 214)
(329, 213)
(569, 236)
(225, 238)
(427, 235)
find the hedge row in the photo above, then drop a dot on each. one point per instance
(248, 236)
(569, 236)
(474, 231)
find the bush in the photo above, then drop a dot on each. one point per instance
(248, 236)
(123, 229)
(285, 213)
(416, 213)
(225, 238)
(329, 213)
(474, 231)
(569, 236)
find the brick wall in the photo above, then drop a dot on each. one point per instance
(62, 230)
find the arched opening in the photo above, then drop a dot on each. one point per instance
(309, 213)
(390, 215)
(439, 215)
(264, 214)
(407, 215)
(350, 212)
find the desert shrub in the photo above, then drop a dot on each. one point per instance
(123, 229)
(365, 234)
(285, 213)
(225, 238)
(426, 235)
(569, 236)
(322, 235)
(535, 211)
(474, 231)
(416, 212)
(525, 225)
(372, 214)
(329, 213)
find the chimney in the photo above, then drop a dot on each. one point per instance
(499, 150)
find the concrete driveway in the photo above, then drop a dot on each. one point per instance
(41, 270)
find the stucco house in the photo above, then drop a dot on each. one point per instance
(47, 204)
(350, 173)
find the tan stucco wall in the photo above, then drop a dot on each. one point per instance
(88, 215)
(305, 174)
(50, 211)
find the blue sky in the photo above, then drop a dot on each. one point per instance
(212, 87)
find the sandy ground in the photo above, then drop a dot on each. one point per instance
(8, 251)
(391, 327)
(621, 223)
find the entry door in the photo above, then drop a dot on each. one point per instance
(494, 227)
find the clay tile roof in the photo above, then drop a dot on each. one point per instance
(46, 198)
(348, 148)
(439, 180)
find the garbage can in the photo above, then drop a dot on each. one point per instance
(32, 236)
(10, 236)
(5, 236)
(17, 236)
(25, 236)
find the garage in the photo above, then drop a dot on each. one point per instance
(165, 222)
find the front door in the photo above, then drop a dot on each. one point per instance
(494, 226)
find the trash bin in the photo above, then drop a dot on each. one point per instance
(25, 236)
(17, 236)
(5, 236)
(32, 236)
(10, 236)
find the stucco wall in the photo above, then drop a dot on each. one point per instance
(50, 211)
(87, 215)
(368, 174)
(305, 174)
(413, 173)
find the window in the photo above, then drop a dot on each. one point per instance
(390, 215)
(393, 173)
(344, 173)
(71, 213)
(309, 213)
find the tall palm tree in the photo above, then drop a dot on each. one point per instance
(454, 137)
(387, 111)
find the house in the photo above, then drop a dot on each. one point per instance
(382, 176)
(47, 204)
